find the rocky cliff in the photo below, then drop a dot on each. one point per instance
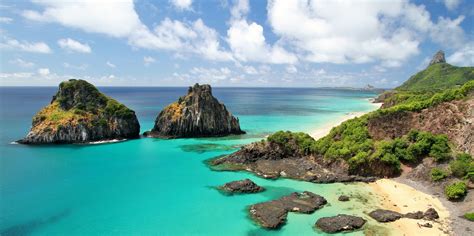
(79, 113)
(198, 114)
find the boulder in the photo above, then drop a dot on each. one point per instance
(272, 214)
(197, 114)
(343, 198)
(80, 113)
(340, 223)
(381, 215)
(241, 186)
(431, 214)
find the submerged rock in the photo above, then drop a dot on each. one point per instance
(343, 198)
(381, 215)
(79, 113)
(273, 214)
(198, 114)
(340, 223)
(241, 186)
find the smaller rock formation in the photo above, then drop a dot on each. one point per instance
(80, 113)
(381, 215)
(198, 114)
(438, 58)
(340, 223)
(343, 198)
(273, 214)
(241, 186)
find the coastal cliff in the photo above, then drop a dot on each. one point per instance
(198, 114)
(80, 113)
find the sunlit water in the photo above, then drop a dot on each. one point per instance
(160, 187)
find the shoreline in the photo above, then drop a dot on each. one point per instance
(324, 130)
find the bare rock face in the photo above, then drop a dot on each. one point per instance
(438, 58)
(241, 186)
(79, 113)
(273, 214)
(340, 223)
(198, 114)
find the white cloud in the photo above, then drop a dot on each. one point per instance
(6, 20)
(110, 64)
(248, 42)
(464, 56)
(43, 71)
(291, 69)
(73, 45)
(148, 60)
(182, 4)
(451, 4)
(448, 32)
(22, 63)
(77, 67)
(16, 75)
(119, 19)
(13, 44)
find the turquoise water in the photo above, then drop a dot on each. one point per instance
(159, 187)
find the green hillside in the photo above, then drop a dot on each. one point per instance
(437, 77)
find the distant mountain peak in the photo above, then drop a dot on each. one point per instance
(438, 58)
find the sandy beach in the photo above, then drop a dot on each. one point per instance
(326, 128)
(403, 198)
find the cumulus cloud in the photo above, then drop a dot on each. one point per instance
(451, 4)
(110, 64)
(6, 20)
(182, 4)
(72, 45)
(148, 60)
(247, 41)
(463, 57)
(360, 32)
(76, 67)
(119, 19)
(43, 71)
(22, 63)
(35, 47)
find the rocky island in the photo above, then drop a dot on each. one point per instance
(80, 113)
(197, 114)
(241, 186)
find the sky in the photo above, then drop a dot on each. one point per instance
(227, 43)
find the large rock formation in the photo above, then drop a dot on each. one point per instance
(79, 113)
(438, 58)
(241, 186)
(198, 114)
(340, 223)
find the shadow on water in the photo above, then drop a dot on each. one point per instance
(208, 147)
(28, 227)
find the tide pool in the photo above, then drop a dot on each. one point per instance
(160, 187)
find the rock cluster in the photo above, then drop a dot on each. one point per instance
(438, 58)
(241, 186)
(79, 113)
(384, 216)
(272, 214)
(340, 223)
(198, 114)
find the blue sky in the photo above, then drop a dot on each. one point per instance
(275, 43)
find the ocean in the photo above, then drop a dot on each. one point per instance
(161, 187)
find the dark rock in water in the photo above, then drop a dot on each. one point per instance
(343, 198)
(414, 215)
(431, 214)
(381, 215)
(198, 114)
(241, 186)
(340, 223)
(79, 113)
(438, 58)
(273, 214)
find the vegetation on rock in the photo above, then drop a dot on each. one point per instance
(438, 174)
(456, 190)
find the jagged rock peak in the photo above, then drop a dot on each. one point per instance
(197, 114)
(80, 113)
(438, 58)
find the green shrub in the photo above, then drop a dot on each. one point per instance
(438, 174)
(286, 139)
(440, 149)
(456, 190)
(469, 216)
(462, 165)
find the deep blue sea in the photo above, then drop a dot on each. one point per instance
(159, 187)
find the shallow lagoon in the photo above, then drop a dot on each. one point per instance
(153, 186)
